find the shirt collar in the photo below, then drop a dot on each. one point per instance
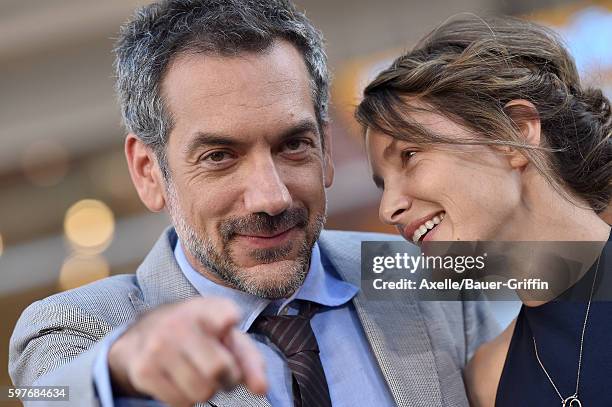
(320, 286)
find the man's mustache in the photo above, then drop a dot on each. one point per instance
(262, 223)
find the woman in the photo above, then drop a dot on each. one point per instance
(484, 132)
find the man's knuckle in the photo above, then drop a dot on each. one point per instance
(175, 325)
(140, 382)
(200, 389)
(154, 346)
(215, 368)
(142, 373)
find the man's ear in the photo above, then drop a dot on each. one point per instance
(328, 164)
(145, 173)
(527, 118)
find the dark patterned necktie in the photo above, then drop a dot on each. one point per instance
(293, 335)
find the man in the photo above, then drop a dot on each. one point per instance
(225, 102)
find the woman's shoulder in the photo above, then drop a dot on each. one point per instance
(483, 371)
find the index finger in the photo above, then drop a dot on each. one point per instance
(216, 316)
(249, 359)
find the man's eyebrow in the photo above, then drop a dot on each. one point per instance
(209, 139)
(215, 139)
(303, 126)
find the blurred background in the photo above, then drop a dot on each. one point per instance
(68, 212)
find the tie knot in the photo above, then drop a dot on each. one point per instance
(290, 333)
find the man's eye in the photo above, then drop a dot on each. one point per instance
(216, 156)
(297, 145)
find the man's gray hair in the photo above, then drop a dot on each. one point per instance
(160, 31)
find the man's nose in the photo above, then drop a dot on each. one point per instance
(393, 204)
(266, 191)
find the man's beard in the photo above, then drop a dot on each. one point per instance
(282, 282)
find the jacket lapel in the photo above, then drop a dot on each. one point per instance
(395, 329)
(239, 397)
(160, 279)
(162, 282)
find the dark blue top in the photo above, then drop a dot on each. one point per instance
(557, 326)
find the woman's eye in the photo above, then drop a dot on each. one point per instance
(407, 155)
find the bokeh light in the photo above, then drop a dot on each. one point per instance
(89, 226)
(79, 270)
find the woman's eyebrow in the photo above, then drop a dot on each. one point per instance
(390, 149)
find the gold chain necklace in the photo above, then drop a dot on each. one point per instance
(573, 400)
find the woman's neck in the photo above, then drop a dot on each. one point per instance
(549, 217)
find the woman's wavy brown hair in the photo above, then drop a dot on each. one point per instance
(469, 68)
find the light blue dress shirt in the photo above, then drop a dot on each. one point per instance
(354, 377)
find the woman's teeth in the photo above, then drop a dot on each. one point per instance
(427, 226)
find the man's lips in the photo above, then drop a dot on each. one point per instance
(261, 240)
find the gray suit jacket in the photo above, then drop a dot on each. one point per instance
(420, 347)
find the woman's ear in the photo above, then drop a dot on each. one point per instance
(145, 173)
(527, 118)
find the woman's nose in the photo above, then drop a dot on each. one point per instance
(392, 206)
